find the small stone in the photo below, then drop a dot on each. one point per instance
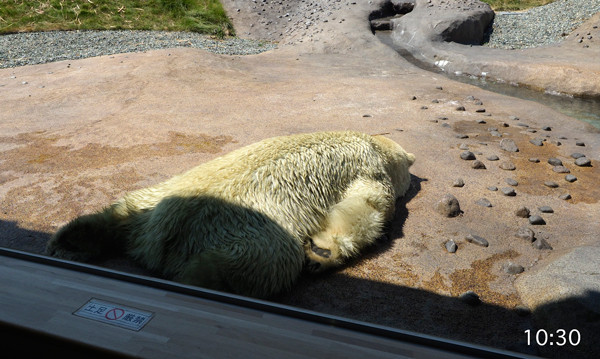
(509, 145)
(450, 246)
(551, 184)
(511, 182)
(443, 118)
(531, 130)
(570, 178)
(512, 268)
(467, 155)
(480, 110)
(460, 108)
(504, 124)
(367, 115)
(463, 146)
(483, 202)
(413, 98)
(580, 143)
(445, 124)
(508, 166)
(507, 191)
(478, 165)
(470, 298)
(554, 161)
(565, 196)
(435, 101)
(493, 188)
(526, 234)
(534, 160)
(493, 158)
(522, 212)
(583, 161)
(541, 244)
(536, 220)
(547, 128)
(537, 141)
(514, 118)
(424, 107)
(458, 183)
(480, 241)
(522, 125)
(462, 135)
(448, 206)
(560, 169)
(480, 121)
(577, 155)
(495, 134)
(439, 88)
(546, 209)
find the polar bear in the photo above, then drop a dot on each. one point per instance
(250, 221)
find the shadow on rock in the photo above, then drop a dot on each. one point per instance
(574, 321)
(14, 237)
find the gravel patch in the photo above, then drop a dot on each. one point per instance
(543, 25)
(42, 47)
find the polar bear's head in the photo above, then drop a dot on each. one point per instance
(397, 163)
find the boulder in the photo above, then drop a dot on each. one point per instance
(448, 206)
(441, 21)
(565, 294)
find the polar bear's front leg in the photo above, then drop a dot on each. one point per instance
(352, 224)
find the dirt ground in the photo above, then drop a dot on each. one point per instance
(76, 135)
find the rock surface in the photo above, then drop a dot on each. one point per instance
(77, 135)
(431, 33)
(566, 294)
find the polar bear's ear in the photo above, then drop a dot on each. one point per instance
(411, 158)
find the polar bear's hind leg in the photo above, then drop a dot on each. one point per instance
(351, 225)
(88, 237)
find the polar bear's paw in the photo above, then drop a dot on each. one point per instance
(325, 253)
(85, 238)
(319, 258)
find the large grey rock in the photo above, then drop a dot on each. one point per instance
(565, 294)
(509, 145)
(583, 161)
(439, 20)
(448, 206)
